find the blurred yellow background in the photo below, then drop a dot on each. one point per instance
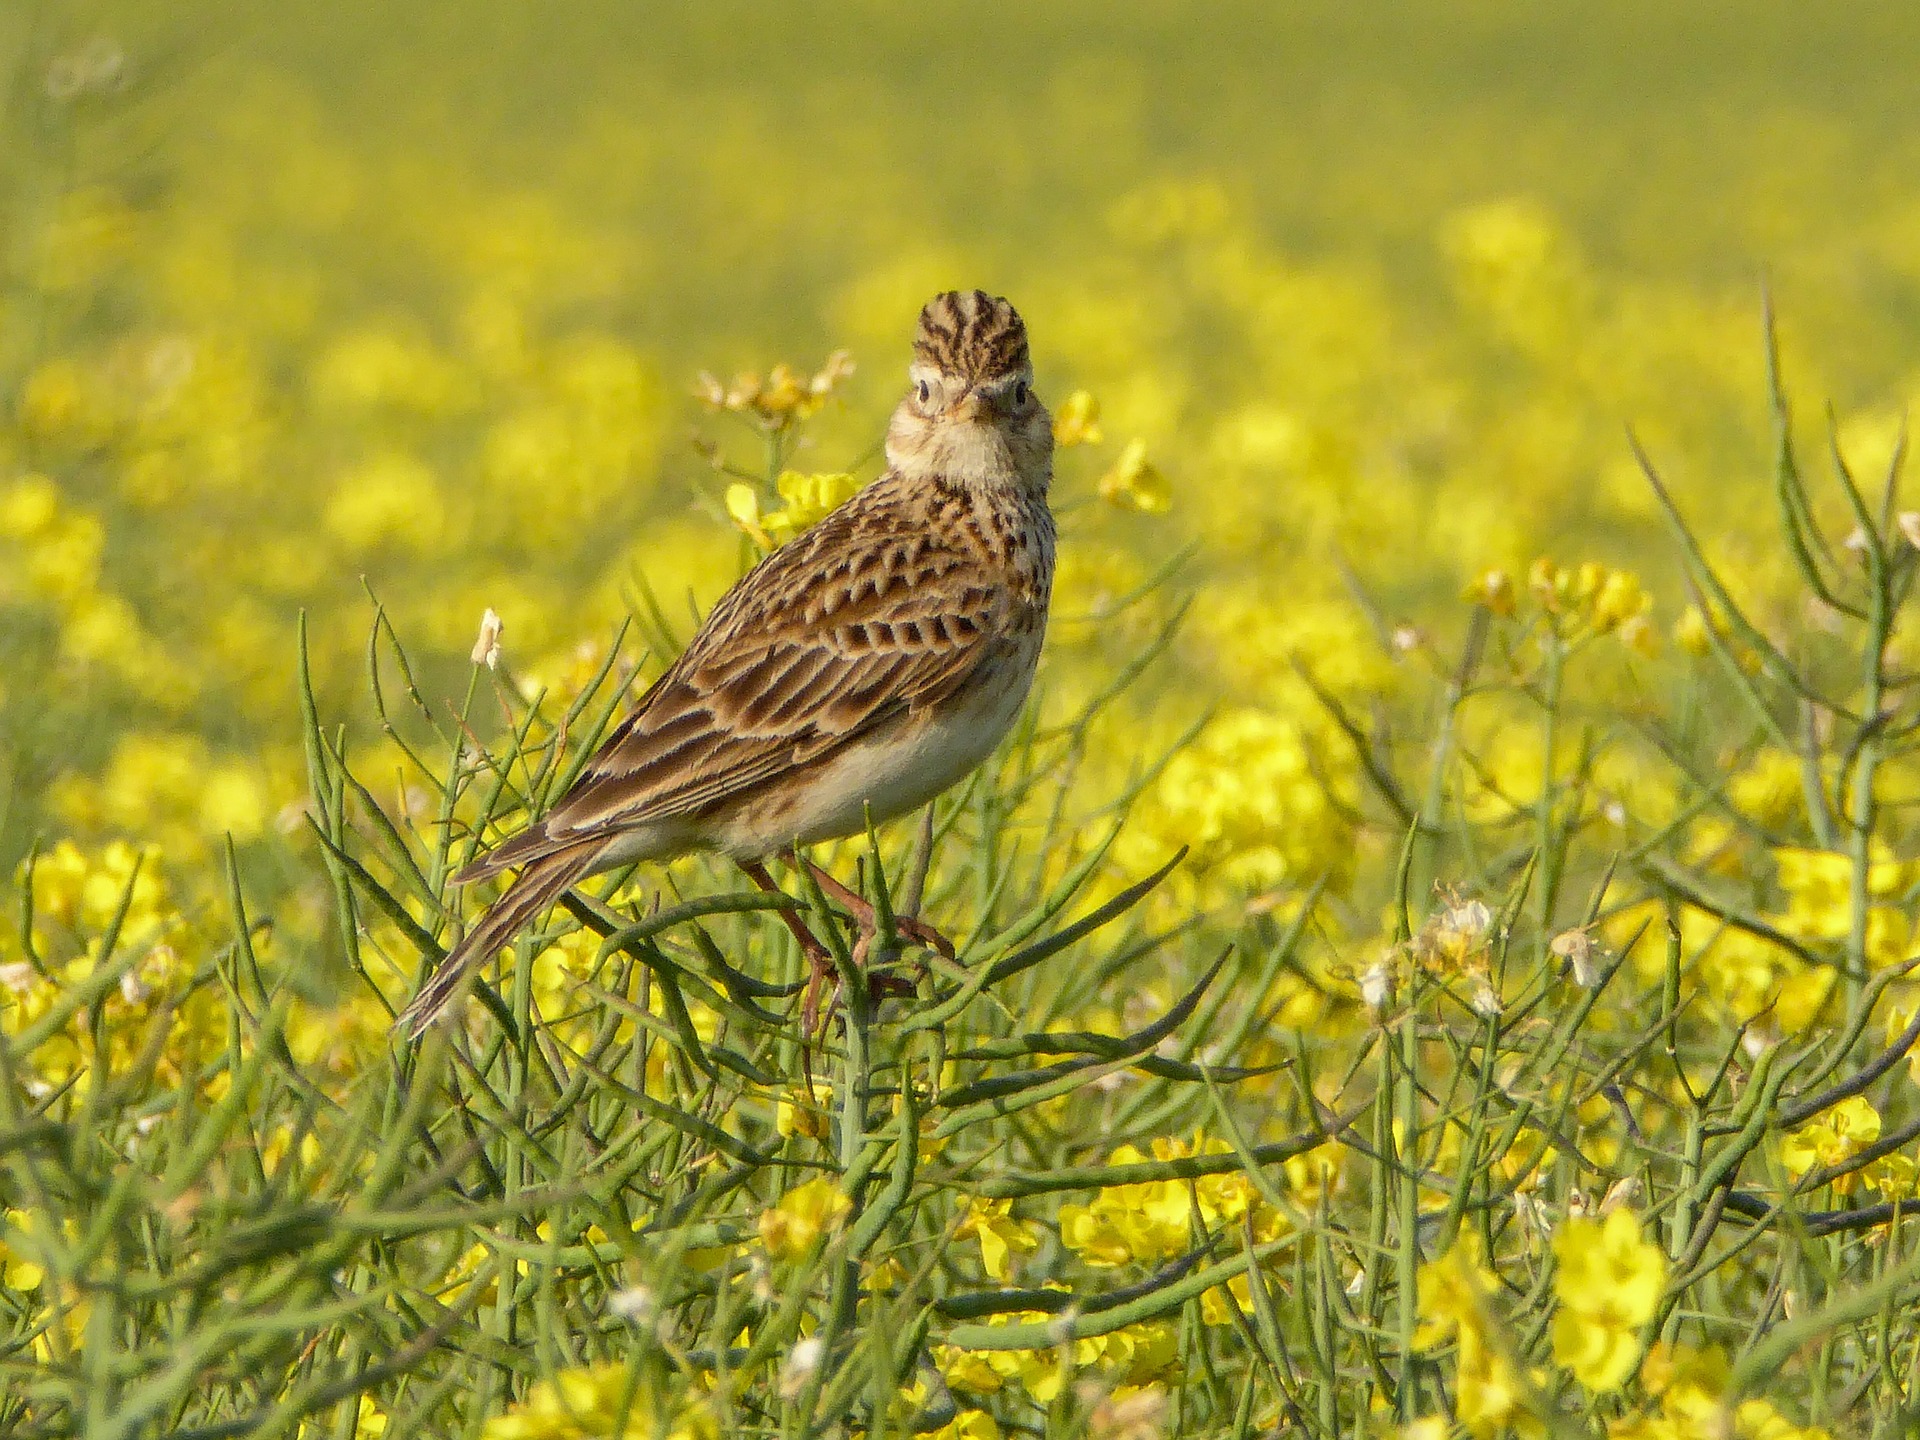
(299, 295)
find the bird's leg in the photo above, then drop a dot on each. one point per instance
(861, 909)
(819, 965)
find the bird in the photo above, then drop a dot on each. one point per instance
(856, 672)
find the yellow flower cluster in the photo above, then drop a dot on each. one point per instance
(1818, 885)
(52, 555)
(1134, 1356)
(1456, 1293)
(1587, 600)
(607, 1401)
(1258, 800)
(1156, 1220)
(1837, 1136)
(782, 397)
(1608, 1282)
(76, 900)
(1690, 1385)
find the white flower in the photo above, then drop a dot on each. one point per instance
(1485, 999)
(1376, 984)
(1470, 920)
(802, 1361)
(635, 1304)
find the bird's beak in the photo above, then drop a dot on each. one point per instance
(971, 406)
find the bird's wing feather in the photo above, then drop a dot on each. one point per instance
(863, 618)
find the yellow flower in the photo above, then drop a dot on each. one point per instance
(1837, 1135)
(1638, 635)
(1001, 1236)
(1077, 422)
(1758, 1420)
(1455, 1303)
(1617, 600)
(1314, 1173)
(1135, 483)
(1453, 1293)
(968, 1425)
(28, 507)
(1257, 800)
(1893, 1176)
(743, 506)
(798, 1113)
(1819, 889)
(1691, 632)
(461, 1274)
(1218, 1305)
(394, 499)
(1608, 1283)
(16, 1271)
(1493, 589)
(369, 1423)
(1770, 788)
(978, 1371)
(809, 499)
(804, 1214)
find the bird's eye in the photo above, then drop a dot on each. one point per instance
(926, 392)
(1020, 392)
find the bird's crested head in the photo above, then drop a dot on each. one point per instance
(973, 335)
(970, 414)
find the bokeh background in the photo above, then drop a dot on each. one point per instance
(306, 302)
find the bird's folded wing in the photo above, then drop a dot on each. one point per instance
(828, 639)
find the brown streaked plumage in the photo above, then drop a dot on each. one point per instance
(865, 666)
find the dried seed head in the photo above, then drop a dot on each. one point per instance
(486, 649)
(1485, 999)
(1139, 1416)
(1576, 947)
(1623, 1191)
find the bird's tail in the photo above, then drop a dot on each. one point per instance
(542, 882)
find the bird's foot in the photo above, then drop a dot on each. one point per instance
(867, 920)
